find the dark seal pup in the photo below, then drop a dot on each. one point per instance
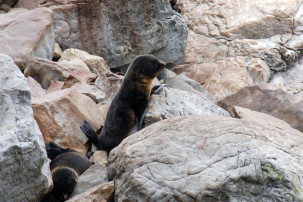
(66, 165)
(128, 104)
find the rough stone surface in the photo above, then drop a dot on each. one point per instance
(57, 52)
(267, 35)
(39, 40)
(277, 103)
(35, 88)
(95, 63)
(184, 83)
(100, 193)
(24, 167)
(44, 71)
(29, 4)
(262, 118)
(60, 115)
(119, 31)
(172, 102)
(79, 76)
(217, 159)
(290, 81)
(92, 91)
(99, 157)
(93, 176)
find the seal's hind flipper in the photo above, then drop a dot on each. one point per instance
(53, 150)
(88, 130)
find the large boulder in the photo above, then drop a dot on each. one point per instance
(172, 102)
(277, 103)
(61, 113)
(208, 158)
(24, 167)
(26, 34)
(120, 30)
(265, 34)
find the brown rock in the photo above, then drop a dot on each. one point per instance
(91, 90)
(263, 119)
(79, 76)
(277, 103)
(28, 4)
(35, 88)
(101, 193)
(55, 86)
(44, 71)
(38, 41)
(60, 115)
(95, 63)
(221, 78)
(57, 52)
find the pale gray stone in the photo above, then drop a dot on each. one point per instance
(93, 176)
(172, 102)
(209, 158)
(24, 167)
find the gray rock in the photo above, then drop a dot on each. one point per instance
(119, 31)
(184, 83)
(208, 158)
(39, 40)
(172, 102)
(24, 167)
(277, 103)
(95, 175)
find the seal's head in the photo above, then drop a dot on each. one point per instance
(65, 180)
(147, 66)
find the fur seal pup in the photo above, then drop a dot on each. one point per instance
(66, 165)
(128, 104)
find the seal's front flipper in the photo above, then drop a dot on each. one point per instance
(53, 150)
(156, 89)
(88, 130)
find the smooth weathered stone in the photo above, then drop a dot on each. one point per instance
(95, 175)
(24, 167)
(57, 52)
(100, 193)
(208, 158)
(277, 103)
(262, 118)
(172, 102)
(61, 113)
(35, 88)
(119, 31)
(44, 71)
(39, 40)
(290, 81)
(91, 90)
(95, 63)
(29, 4)
(99, 157)
(184, 83)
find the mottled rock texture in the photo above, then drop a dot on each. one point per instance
(172, 102)
(100, 193)
(61, 113)
(277, 103)
(24, 167)
(26, 34)
(255, 38)
(208, 158)
(120, 30)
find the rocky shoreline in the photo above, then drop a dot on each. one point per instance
(227, 126)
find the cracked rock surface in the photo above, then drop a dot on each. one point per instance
(203, 158)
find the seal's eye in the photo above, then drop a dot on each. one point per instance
(156, 66)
